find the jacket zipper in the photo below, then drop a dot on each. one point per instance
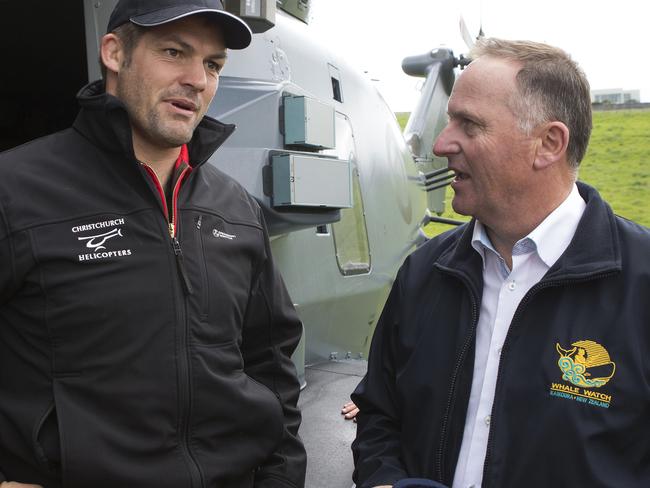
(172, 224)
(533, 291)
(185, 393)
(173, 229)
(438, 463)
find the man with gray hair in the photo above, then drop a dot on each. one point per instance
(513, 351)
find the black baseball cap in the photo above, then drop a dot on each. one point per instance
(150, 13)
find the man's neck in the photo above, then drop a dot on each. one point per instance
(504, 232)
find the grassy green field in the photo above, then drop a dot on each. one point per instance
(617, 164)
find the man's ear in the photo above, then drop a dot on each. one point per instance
(554, 140)
(111, 52)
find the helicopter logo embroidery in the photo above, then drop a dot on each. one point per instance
(97, 242)
(586, 365)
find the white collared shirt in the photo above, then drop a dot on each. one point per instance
(503, 289)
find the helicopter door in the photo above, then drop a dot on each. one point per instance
(43, 51)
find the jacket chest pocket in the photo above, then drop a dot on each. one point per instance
(224, 256)
(95, 271)
(103, 286)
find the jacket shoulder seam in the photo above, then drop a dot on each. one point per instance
(29, 227)
(38, 140)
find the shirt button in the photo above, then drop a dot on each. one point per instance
(512, 286)
(487, 420)
(499, 349)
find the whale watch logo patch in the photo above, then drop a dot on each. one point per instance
(585, 367)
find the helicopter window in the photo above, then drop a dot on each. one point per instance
(336, 83)
(350, 233)
(336, 88)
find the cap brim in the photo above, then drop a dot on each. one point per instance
(236, 33)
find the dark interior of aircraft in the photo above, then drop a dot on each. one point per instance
(43, 53)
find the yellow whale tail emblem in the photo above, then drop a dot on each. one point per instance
(564, 352)
(576, 362)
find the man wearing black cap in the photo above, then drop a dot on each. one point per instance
(145, 333)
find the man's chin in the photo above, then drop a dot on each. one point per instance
(175, 138)
(460, 208)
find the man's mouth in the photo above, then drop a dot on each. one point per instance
(183, 104)
(460, 176)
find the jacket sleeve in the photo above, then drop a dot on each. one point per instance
(6, 273)
(16, 258)
(7, 264)
(271, 333)
(377, 447)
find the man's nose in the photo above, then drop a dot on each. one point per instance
(445, 144)
(195, 76)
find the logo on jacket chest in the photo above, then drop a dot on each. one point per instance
(101, 240)
(585, 367)
(218, 229)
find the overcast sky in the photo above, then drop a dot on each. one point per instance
(609, 39)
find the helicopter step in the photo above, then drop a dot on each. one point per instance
(326, 434)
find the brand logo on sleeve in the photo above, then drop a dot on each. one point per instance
(585, 367)
(98, 242)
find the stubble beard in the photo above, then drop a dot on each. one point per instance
(149, 121)
(159, 129)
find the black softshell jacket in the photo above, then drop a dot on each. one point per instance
(545, 430)
(132, 353)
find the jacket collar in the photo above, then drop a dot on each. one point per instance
(461, 258)
(594, 249)
(103, 120)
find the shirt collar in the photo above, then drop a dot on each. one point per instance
(550, 238)
(481, 242)
(555, 232)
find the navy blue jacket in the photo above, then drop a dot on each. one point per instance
(572, 402)
(131, 354)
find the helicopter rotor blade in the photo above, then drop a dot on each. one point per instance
(481, 34)
(464, 32)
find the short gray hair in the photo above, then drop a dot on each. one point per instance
(551, 87)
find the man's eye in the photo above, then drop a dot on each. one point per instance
(172, 52)
(469, 126)
(212, 66)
